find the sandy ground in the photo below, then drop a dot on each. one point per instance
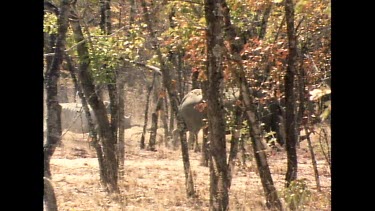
(155, 180)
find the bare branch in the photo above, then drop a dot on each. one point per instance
(187, 1)
(153, 68)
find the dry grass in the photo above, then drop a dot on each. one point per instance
(155, 180)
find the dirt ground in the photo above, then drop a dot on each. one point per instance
(155, 180)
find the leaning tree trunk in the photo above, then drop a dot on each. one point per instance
(272, 200)
(234, 142)
(172, 93)
(219, 183)
(110, 176)
(92, 130)
(290, 119)
(53, 106)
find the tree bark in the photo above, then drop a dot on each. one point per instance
(121, 123)
(313, 159)
(142, 142)
(110, 179)
(49, 197)
(154, 124)
(92, 128)
(53, 106)
(112, 92)
(154, 127)
(106, 28)
(290, 119)
(234, 142)
(105, 16)
(164, 118)
(219, 183)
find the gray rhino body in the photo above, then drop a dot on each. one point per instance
(271, 116)
(74, 119)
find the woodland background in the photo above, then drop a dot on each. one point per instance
(143, 57)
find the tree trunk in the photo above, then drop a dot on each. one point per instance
(49, 197)
(142, 142)
(313, 159)
(112, 92)
(171, 125)
(172, 93)
(105, 16)
(219, 183)
(110, 178)
(290, 125)
(234, 142)
(53, 107)
(205, 144)
(205, 148)
(164, 119)
(92, 134)
(154, 124)
(121, 123)
(263, 26)
(272, 199)
(106, 28)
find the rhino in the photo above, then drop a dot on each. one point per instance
(74, 119)
(271, 115)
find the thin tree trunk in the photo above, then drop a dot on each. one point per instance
(171, 124)
(105, 16)
(105, 132)
(93, 134)
(266, 15)
(53, 106)
(290, 125)
(236, 135)
(172, 93)
(52, 76)
(272, 199)
(164, 119)
(154, 124)
(142, 142)
(205, 144)
(313, 160)
(205, 148)
(121, 124)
